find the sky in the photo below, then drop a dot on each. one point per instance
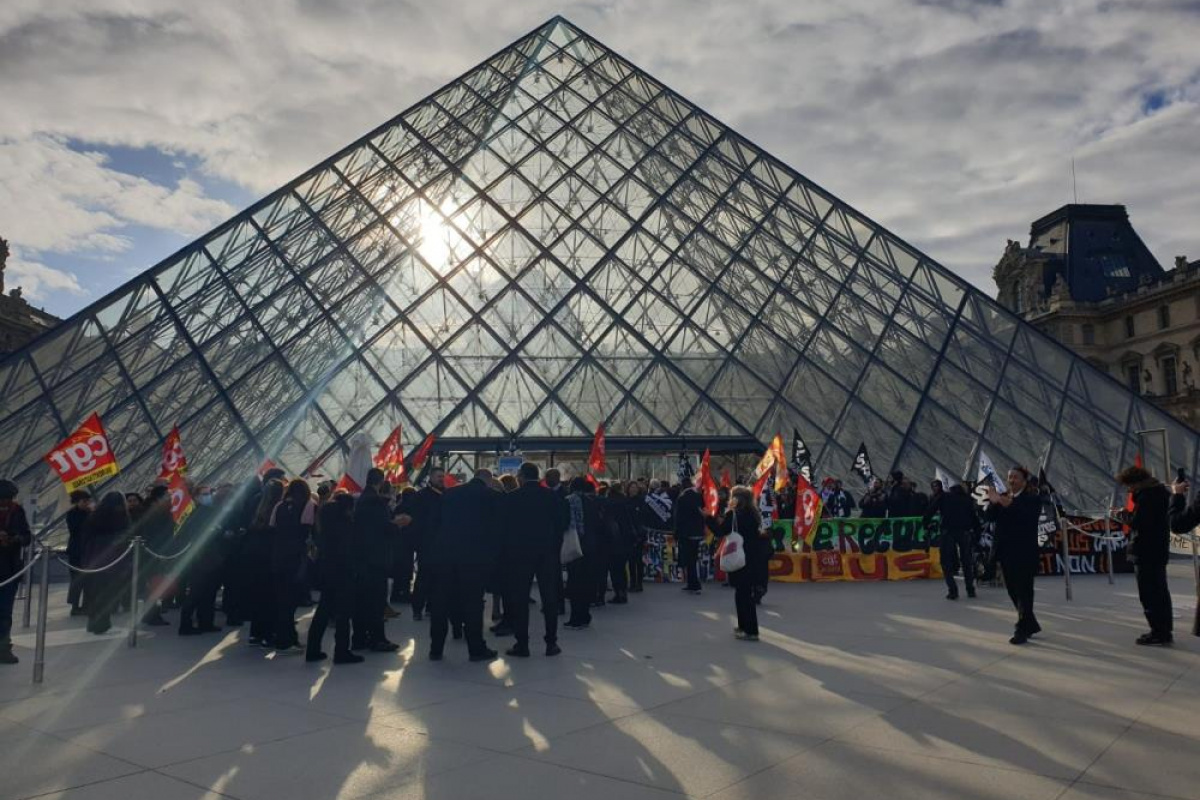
(129, 127)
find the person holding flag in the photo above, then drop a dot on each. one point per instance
(960, 527)
(689, 533)
(1150, 522)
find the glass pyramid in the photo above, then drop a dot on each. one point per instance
(553, 240)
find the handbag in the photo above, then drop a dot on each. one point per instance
(572, 548)
(733, 550)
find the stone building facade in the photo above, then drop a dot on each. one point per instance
(19, 321)
(1087, 279)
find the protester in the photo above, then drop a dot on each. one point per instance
(463, 553)
(200, 579)
(1016, 515)
(14, 536)
(839, 503)
(157, 529)
(291, 523)
(623, 537)
(743, 518)
(874, 504)
(260, 595)
(1150, 549)
(338, 559)
(106, 536)
(960, 528)
(535, 519)
(425, 517)
(77, 514)
(373, 519)
(588, 521)
(689, 532)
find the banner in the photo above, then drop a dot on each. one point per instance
(801, 457)
(173, 460)
(1088, 553)
(862, 464)
(390, 458)
(988, 475)
(84, 457)
(859, 549)
(707, 486)
(596, 458)
(182, 504)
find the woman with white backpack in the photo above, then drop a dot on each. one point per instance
(742, 544)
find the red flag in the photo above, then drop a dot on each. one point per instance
(266, 466)
(590, 478)
(84, 457)
(771, 462)
(390, 458)
(726, 481)
(761, 483)
(708, 487)
(596, 462)
(173, 460)
(808, 508)
(449, 481)
(182, 504)
(349, 484)
(422, 453)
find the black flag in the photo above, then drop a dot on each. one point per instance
(862, 464)
(684, 470)
(801, 457)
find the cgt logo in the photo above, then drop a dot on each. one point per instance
(81, 457)
(178, 500)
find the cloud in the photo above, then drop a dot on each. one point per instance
(37, 280)
(951, 122)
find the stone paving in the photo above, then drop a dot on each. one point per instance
(856, 690)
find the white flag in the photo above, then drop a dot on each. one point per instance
(987, 472)
(946, 480)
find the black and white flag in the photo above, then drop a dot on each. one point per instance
(862, 464)
(660, 504)
(684, 470)
(801, 457)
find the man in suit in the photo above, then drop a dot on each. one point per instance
(1016, 516)
(689, 533)
(462, 554)
(535, 519)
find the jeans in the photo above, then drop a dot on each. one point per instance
(8, 598)
(1155, 596)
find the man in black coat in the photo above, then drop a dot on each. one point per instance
(959, 529)
(462, 554)
(373, 519)
(689, 533)
(15, 534)
(535, 519)
(425, 511)
(77, 514)
(1150, 548)
(1016, 514)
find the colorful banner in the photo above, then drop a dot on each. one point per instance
(857, 549)
(1087, 552)
(84, 457)
(173, 460)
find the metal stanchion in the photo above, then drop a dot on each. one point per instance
(27, 583)
(1065, 533)
(133, 591)
(39, 648)
(1108, 537)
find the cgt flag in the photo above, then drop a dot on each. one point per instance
(801, 457)
(421, 455)
(708, 487)
(862, 465)
(808, 509)
(596, 460)
(173, 460)
(84, 457)
(726, 481)
(348, 484)
(772, 461)
(390, 458)
(182, 504)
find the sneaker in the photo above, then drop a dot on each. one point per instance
(486, 654)
(290, 650)
(745, 637)
(553, 649)
(347, 658)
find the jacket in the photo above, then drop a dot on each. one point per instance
(289, 538)
(373, 520)
(16, 527)
(1017, 531)
(689, 515)
(874, 505)
(76, 519)
(339, 550)
(425, 509)
(1150, 536)
(1183, 517)
(535, 519)
(467, 527)
(748, 521)
(958, 513)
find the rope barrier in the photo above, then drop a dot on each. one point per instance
(83, 571)
(25, 569)
(186, 547)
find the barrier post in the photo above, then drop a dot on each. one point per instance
(1065, 532)
(39, 648)
(1108, 537)
(27, 582)
(133, 591)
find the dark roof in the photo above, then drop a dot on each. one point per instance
(1095, 248)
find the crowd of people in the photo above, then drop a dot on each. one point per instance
(266, 546)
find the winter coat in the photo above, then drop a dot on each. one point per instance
(13, 523)
(1150, 537)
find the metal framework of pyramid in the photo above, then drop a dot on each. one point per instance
(553, 240)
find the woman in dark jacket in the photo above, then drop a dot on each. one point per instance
(338, 553)
(106, 536)
(589, 523)
(745, 519)
(258, 596)
(291, 523)
(1149, 549)
(624, 538)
